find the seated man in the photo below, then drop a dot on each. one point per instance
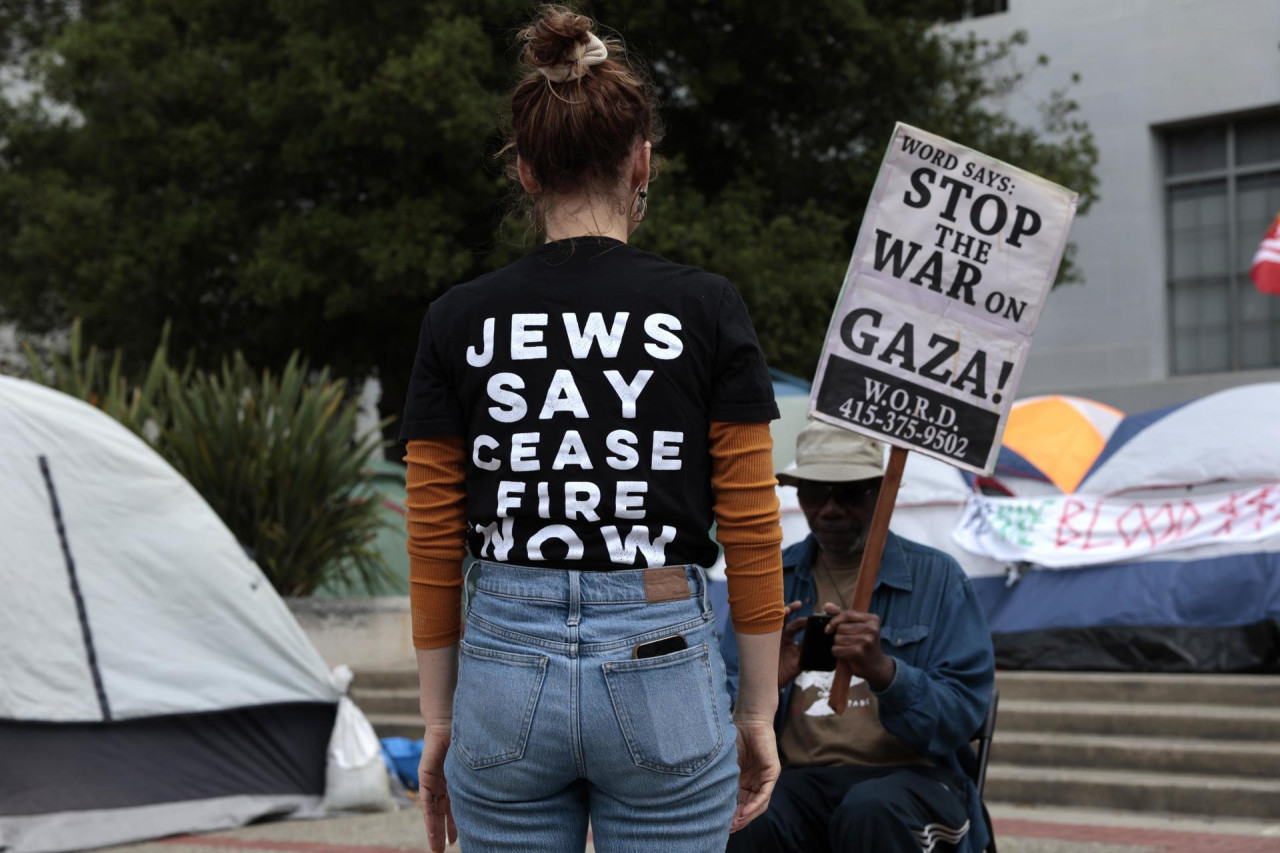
(888, 774)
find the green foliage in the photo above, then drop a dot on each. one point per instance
(787, 266)
(271, 175)
(780, 121)
(281, 175)
(26, 25)
(90, 377)
(277, 458)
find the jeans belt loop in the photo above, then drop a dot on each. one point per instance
(700, 576)
(575, 598)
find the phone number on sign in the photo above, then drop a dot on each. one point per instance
(885, 420)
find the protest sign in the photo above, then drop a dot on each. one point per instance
(955, 257)
(1070, 531)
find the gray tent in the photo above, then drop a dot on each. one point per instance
(151, 680)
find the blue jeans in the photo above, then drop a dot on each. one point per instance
(555, 723)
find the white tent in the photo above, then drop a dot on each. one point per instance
(151, 680)
(1227, 437)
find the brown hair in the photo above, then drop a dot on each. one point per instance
(576, 135)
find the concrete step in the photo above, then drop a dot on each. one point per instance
(377, 700)
(397, 725)
(1237, 690)
(386, 679)
(1182, 793)
(1140, 720)
(1142, 754)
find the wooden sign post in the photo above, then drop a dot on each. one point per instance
(869, 568)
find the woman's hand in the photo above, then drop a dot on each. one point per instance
(437, 676)
(433, 797)
(758, 767)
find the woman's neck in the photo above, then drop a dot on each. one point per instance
(582, 215)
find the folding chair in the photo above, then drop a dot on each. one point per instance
(983, 741)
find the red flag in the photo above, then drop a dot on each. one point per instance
(1266, 262)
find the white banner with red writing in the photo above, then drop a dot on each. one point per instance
(1069, 531)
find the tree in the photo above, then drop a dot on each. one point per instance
(779, 122)
(271, 176)
(274, 175)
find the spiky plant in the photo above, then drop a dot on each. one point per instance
(99, 380)
(278, 458)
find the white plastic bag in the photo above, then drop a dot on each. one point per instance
(355, 776)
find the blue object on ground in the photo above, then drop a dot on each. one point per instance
(402, 756)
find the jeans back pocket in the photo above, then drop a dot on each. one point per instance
(666, 708)
(494, 704)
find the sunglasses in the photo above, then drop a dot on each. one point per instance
(845, 494)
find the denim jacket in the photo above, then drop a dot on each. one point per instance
(934, 628)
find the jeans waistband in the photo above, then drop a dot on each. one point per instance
(619, 586)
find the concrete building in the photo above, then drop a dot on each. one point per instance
(1183, 97)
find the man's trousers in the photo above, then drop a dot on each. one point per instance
(859, 810)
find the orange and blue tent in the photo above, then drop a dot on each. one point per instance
(1056, 439)
(1210, 608)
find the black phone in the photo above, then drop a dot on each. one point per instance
(658, 648)
(815, 648)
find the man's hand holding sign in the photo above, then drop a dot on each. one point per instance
(955, 256)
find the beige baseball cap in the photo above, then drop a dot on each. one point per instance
(830, 454)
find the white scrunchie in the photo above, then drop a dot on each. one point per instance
(592, 53)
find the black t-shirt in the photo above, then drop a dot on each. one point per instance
(583, 378)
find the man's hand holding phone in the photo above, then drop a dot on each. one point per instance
(789, 656)
(836, 635)
(856, 639)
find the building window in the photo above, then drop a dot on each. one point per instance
(1223, 189)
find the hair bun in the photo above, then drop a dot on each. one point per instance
(581, 139)
(555, 37)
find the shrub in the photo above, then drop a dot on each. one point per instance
(276, 457)
(88, 376)
(279, 461)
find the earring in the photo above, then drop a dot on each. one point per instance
(641, 203)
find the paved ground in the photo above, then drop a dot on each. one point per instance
(1018, 830)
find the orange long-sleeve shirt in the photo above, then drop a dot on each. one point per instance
(747, 526)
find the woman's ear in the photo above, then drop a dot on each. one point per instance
(640, 164)
(527, 180)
